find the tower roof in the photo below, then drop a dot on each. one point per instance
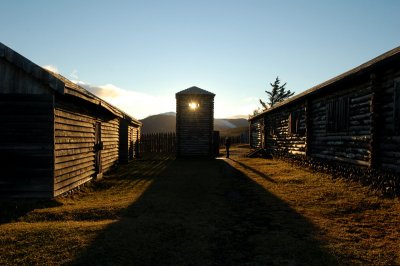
(195, 90)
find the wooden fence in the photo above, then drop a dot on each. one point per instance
(165, 143)
(158, 143)
(240, 139)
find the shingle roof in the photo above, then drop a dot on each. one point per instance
(195, 90)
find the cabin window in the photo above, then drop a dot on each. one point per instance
(396, 109)
(271, 126)
(294, 123)
(337, 115)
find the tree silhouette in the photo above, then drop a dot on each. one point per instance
(277, 94)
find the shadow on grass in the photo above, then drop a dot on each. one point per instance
(259, 173)
(206, 212)
(12, 210)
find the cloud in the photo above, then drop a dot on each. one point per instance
(250, 99)
(136, 104)
(51, 68)
(74, 74)
(224, 109)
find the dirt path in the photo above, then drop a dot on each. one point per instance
(207, 212)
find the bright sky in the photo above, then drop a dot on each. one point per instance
(138, 54)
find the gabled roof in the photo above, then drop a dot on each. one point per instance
(393, 54)
(59, 83)
(31, 68)
(195, 91)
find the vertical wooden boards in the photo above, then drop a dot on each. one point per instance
(26, 145)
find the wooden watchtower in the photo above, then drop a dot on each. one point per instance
(194, 123)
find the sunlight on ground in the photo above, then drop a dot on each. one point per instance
(229, 211)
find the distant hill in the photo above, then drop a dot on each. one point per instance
(166, 122)
(159, 123)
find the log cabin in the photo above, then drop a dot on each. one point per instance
(352, 119)
(55, 135)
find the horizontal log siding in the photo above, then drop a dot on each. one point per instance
(353, 145)
(195, 127)
(26, 145)
(278, 138)
(389, 140)
(110, 139)
(256, 132)
(74, 142)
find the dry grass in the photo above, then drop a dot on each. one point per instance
(357, 225)
(224, 212)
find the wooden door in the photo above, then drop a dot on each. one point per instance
(98, 146)
(131, 143)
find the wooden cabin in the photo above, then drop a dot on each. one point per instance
(54, 134)
(194, 123)
(352, 119)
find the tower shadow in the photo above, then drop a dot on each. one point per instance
(206, 212)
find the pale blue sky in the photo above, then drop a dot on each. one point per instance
(138, 54)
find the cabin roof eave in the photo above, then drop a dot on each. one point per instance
(59, 83)
(368, 66)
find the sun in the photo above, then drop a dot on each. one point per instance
(193, 105)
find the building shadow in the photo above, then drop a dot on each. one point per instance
(259, 173)
(11, 209)
(206, 212)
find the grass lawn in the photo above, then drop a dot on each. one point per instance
(233, 211)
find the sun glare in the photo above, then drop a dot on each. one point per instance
(193, 105)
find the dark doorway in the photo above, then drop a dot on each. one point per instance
(98, 146)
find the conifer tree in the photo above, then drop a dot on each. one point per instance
(277, 94)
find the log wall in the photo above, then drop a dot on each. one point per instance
(351, 145)
(389, 135)
(256, 127)
(366, 134)
(279, 138)
(194, 128)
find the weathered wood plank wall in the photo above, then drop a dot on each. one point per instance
(110, 138)
(128, 135)
(74, 153)
(26, 145)
(15, 80)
